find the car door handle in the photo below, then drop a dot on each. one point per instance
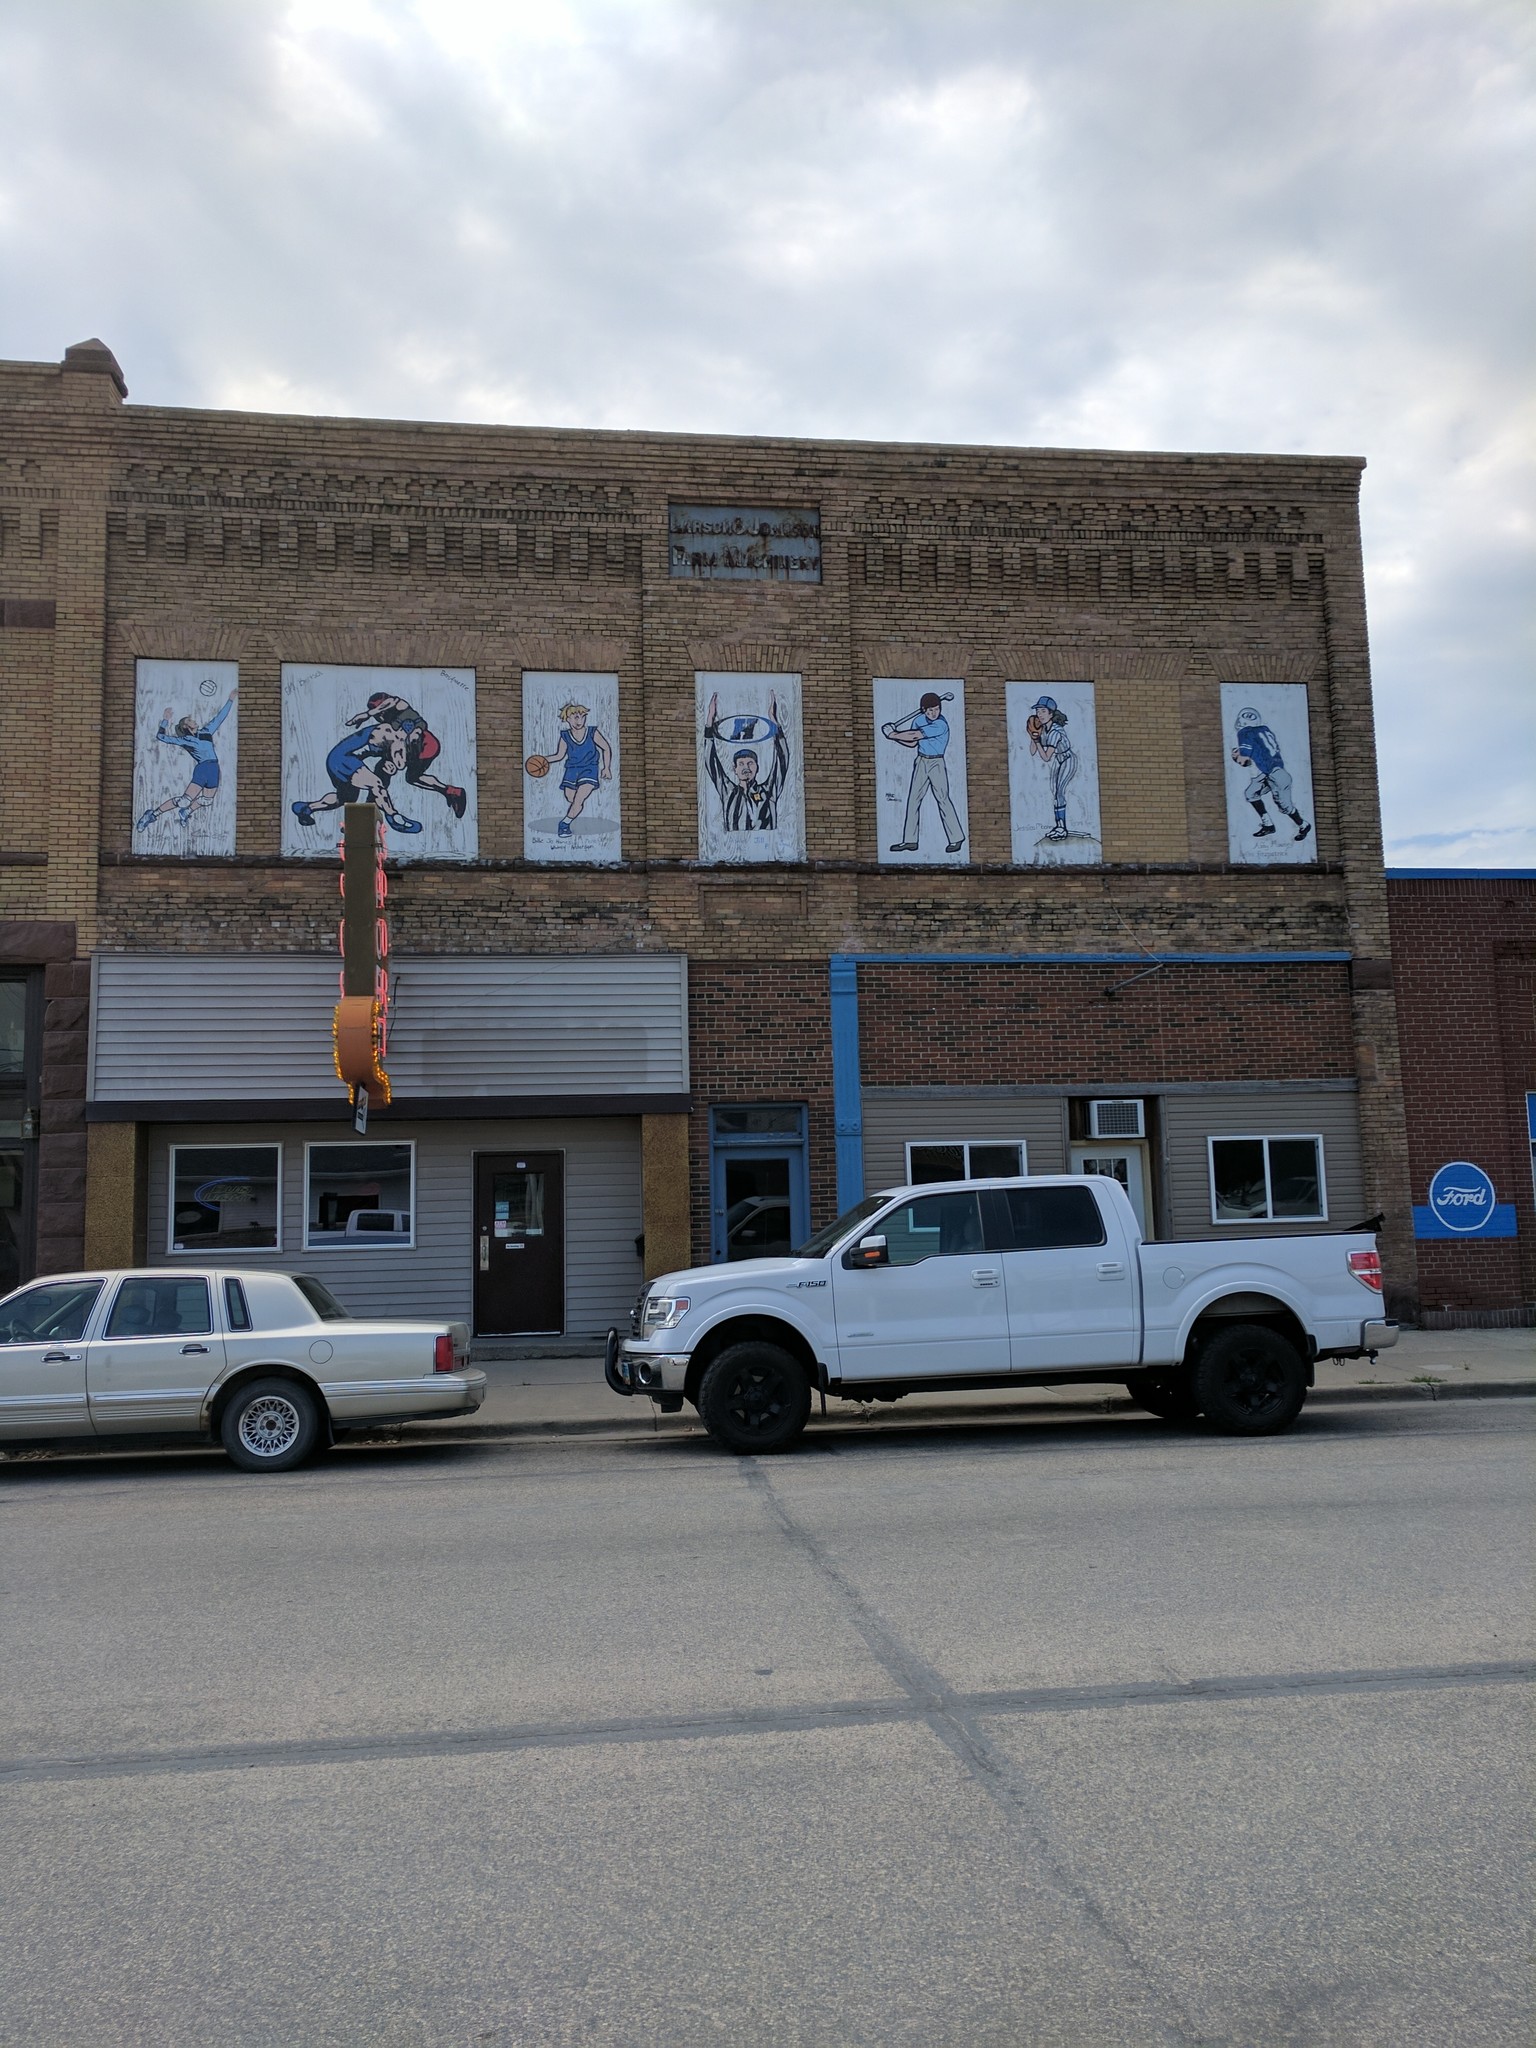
(984, 1276)
(62, 1357)
(1111, 1269)
(187, 1349)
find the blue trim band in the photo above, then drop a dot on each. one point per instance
(847, 1091)
(1500, 1224)
(1090, 959)
(1461, 874)
(1530, 1116)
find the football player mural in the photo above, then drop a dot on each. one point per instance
(751, 794)
(1053, 774)
(570, 766)
(400, 738)
(185, 757)
(1268, 773)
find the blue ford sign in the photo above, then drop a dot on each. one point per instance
(1462, 1203)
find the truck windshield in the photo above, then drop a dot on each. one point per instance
(818, 1246)
(321, 1299)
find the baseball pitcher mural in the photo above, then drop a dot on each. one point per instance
(185, 757)
(1268, 773)
(751, 794)
(571, 766)
(920, 771)
(400, 738)
(1053, 774)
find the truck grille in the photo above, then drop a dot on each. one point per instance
(637, 1312)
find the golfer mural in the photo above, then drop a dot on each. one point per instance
(571, 766)
(920, 768)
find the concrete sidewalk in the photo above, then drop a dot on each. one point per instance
(558, 1388)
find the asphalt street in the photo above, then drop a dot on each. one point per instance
(1069, 1731)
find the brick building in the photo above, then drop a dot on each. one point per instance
(1464, 944)
(962, 809)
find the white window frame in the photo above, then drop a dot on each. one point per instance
(965, 1144)
(330, 1244)
(245, 1251)
(1266, 1139)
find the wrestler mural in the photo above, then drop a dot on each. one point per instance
(1053, 774)
(570, 766)
(1268, 774)
(402, 739)
(185, 757)
(751, 776)
(920, 772)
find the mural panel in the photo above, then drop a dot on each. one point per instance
(401, 738)
(921, 814)
(751, 773)
(1053, 774)
(571, 766)
(1269, 774)
(186, 757)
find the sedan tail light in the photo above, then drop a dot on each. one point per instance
(1366, 1267)
(442, 1353)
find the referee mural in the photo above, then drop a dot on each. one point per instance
(570, 766)
(751, 777)
(186, 757)
(1053, 774)
(400, 738)
(1270, 819)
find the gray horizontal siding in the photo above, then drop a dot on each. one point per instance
(896, 1117)
(436, 1276)
(218, 1027)
(1188, 1120)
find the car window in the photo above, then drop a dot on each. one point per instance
(931, 1227)
(236, 1309)
(57, 1313)
(321, 1299)
(1051, 1219)
(161, 1305)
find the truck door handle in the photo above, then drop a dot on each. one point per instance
(984, 1276)
(61, 1357)
(1111, 1269)
(188, 1349)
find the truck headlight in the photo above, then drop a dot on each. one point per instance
(663, 1312)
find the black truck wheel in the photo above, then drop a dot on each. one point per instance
(755, 1397)
(1250, 1381)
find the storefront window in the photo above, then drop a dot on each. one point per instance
(971, 1159)
(226, 1198)
(1267, 1180)
(359, 1196)
(13, 1032)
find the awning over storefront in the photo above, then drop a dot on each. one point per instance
(177, 1036)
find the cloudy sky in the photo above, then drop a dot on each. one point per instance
(1221, 224)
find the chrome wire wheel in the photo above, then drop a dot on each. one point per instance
(270, 1425)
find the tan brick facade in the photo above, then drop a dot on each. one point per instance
(263, 540)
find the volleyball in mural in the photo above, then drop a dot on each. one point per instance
(186, 757)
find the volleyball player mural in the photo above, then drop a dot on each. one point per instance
(1268, 774)
(570, 766)
(751, 793)
(400, 738)
(1053, 774)
(185, 757)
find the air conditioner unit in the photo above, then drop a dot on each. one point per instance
(1116, 1119)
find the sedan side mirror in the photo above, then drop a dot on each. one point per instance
(869, 1251)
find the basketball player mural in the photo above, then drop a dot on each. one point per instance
(585, 758)
(389, 737)
(195, 739)
(750, 792)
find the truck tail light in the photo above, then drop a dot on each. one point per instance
(442, 1353)
(1366, 1267)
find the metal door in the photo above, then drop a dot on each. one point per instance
(936, 1307)
(42, 1360)
(519, 1244)
(158, 1355)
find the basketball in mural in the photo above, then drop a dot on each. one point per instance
(536, 765)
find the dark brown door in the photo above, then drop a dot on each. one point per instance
(519, 1244)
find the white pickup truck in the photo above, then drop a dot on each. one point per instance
(992, 1283)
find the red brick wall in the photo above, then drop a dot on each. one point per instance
(961, 1026)
(1464, 960)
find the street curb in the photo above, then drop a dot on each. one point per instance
(652, 1425)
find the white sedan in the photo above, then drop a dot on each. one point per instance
(269, 1364)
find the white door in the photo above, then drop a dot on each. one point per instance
(42, 1360)
(1071, 1283)
(1124, 1163)
(157, 1356)
(936, 1308)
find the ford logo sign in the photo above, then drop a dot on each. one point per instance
(1462, 1198)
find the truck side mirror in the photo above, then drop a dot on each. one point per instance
(869, 1251)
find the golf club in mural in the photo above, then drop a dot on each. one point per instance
(927, 730)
